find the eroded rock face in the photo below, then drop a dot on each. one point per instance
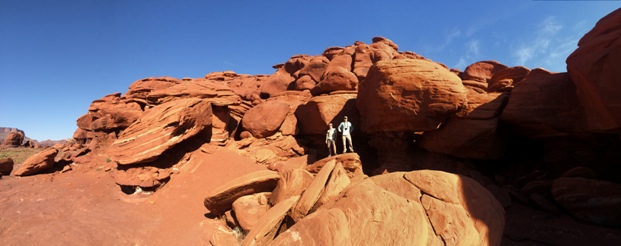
(408, 95)
(159, 129)
(37, 163)
(593, 68)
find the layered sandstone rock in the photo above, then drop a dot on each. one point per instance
(593, 68)
(408, 95)
(160, 129)
(222, 198)
(110, 113)
(37, 163)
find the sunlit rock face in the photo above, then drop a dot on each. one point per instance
(408, 95)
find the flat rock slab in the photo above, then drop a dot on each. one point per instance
(160, 129)
(313, 192)
(222, 198)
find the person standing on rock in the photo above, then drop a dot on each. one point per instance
(345, 128)
(330, 139)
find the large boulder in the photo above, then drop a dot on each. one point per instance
(408, 95)
(37, 163)
(159, 129)
(482, 71)
(6, 166)
(314, 116)
(14, 139)
(266, 118)
(544, 104)
(338, 75)
(593, 67)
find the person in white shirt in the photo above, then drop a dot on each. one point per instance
(330, 139)
(345, 128)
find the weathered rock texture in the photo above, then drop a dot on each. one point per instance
(160, 129)
(408, 95)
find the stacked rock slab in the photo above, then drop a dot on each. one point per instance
(409, 208)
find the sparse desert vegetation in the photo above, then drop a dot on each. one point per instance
(18, 154)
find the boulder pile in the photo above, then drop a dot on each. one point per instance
(332, 202)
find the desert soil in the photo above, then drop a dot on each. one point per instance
(85, 207)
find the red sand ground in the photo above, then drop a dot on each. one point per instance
(88, 208)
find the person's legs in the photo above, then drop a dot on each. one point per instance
(351, 145)
(333, 144)
(344, 144)
(329, 148)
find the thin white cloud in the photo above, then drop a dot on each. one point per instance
(472, 52)
(549, 48)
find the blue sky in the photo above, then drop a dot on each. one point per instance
(57, 56)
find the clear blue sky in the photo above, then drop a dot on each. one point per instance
(57, 56)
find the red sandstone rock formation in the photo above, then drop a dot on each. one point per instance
(593, 68)
(401, 102)
(160, 129)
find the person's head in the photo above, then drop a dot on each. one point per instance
(345, 118)
(330, 125)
